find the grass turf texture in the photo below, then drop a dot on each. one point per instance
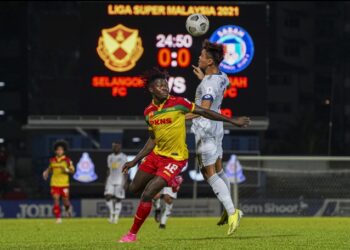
(181, 233)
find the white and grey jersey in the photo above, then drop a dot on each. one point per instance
(211, 88)
(115, 164)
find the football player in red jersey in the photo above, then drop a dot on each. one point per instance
(60, 167)
(165, 153)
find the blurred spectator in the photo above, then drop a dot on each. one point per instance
(16, 193)
(10, 165)
(7, 159)
(3, 156)
(5, 179)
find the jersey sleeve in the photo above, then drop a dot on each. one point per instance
(50, 163)
(208, 89)
(149, 127)
(187, 105)
(70, 163)
(147, 115)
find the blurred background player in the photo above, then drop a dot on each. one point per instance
(168, 194)
(165, 153)
(116, 182)
(209, 134)
(60, 166)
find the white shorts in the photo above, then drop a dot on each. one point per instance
(219, 144)
(209, 150)
(115, 190)
(169, 191)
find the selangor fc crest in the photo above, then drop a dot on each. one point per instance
(120, 48)
(238, 47)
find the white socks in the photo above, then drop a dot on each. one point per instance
(166, 213)
(117, 209)
(220, 189)
(156, 203)
(110, 207)
(114, 210)
(224, 178)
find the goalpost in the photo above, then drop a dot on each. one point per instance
(325, 178)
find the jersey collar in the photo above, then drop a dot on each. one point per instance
(160, 107)
(60, 158)
(215, 74)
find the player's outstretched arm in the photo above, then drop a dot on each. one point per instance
(190, 116)
(206, 104)
(149, 146)
(242, 121)
(125, 182)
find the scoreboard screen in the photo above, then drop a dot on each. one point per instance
(120, 40)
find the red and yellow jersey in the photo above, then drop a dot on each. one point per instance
(167, 121)
(59, 169)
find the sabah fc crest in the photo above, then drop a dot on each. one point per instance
(238, 47)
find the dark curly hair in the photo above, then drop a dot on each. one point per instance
(214, 50)
(149, 76)
(61, 143)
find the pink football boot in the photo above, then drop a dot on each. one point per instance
(128, 238)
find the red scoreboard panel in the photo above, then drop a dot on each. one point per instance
(121, 40)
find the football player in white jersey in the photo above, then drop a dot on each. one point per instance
(115, 183)
(209, 134)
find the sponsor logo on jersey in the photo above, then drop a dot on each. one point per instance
(238, 47)
(120, 48)
(161, 121)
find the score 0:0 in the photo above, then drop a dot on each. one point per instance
(183, 57)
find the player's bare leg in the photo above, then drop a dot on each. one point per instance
(67, 207)
(166, 211)
(56, 208)
(220, 171)
(153, 187)
(110, 206)
(140, 181)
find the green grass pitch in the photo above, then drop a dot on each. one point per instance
(181, 233)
